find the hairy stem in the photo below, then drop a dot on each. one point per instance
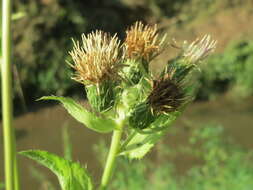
(11, 176)
(113, 152)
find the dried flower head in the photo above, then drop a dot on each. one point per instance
(96, 59)
(167, 95)
(142, 42)
(199, 49)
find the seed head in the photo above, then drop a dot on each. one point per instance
(198, 49)
(142, 42)
(96, 59)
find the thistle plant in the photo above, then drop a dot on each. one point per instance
(126, 99)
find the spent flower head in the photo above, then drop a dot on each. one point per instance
(198, 49)
(142, 41)
(96, 58)
(167, 95)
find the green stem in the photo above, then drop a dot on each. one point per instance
(11, 176)
(16, 170)
(113, 152)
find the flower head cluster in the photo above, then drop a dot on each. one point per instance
(97, 58)
(142, 42)
(198, 49)
(98, 63)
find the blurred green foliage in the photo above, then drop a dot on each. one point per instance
(185, 10)
(223, 166)
(41, 51)
(1, 185)
(229, 71)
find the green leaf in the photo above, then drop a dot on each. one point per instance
(89, 119)
(71, 175)
(141, 144)
(18, 15)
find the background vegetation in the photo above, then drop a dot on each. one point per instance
(230, 71)
(41, 50)
(222, 165)
(42, 39)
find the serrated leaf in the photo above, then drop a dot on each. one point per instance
(141, 144)
(82, 115)
(71, 175)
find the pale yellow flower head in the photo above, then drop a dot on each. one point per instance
(96, 58)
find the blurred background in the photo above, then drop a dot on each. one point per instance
(209, 147)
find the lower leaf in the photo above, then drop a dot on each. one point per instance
(89, 119)
(71, 175)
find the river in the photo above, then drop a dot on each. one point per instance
(42, 129)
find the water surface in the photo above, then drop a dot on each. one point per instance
(42, 129)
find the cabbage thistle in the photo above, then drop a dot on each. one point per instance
(97, 63)
(126, 98)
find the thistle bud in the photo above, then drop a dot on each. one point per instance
(191, 54)
(131, 96)
(101, 97)
(132, 72)
(97, 64)
(141, 116)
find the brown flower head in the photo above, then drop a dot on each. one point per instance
(142, 42)
(167, 95)
(96, 59)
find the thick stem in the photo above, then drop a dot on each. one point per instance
(113, 152)
(8, 131)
